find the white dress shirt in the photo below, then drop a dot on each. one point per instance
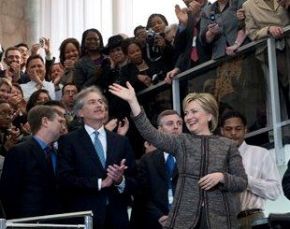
(103, 139)
(264, 181)
(30, 87)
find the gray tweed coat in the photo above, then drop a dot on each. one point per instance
(197, 156)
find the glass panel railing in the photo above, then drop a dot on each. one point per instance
(156, 99)
(237, 83)
(247, 82)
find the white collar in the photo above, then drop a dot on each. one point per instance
(90, 130)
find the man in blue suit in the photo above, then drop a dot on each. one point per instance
(96, 166)
(28, 184)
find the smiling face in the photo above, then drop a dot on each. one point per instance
(13, 56)
(196, 118)
(71, 52)
(117, 55)
(92, 41)
(93, 109)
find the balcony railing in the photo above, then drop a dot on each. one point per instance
(35, 222)
(257, 95)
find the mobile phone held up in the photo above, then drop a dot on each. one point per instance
(41, 42)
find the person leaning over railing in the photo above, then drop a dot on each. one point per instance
(188, 48)
(266, 19)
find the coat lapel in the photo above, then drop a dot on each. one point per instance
(39, 154)
(160, 164)
(111, 154)
(263, 4)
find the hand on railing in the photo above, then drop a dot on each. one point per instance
(276, 31)
(170, 75)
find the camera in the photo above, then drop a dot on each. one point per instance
(41, 42)
(153, 52)
(151, 37)
(212, 16)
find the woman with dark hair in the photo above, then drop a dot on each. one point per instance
(90, 67)
(37, 98)
(69, 55)
(159, 51)
(148, 73)
(157, 22)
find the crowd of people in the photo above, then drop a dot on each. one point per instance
(68, 129)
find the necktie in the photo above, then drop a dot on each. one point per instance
(99, 149)
(194, 54)
(170, 164)
(48, 156)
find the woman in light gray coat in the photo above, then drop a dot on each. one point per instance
(210, 167)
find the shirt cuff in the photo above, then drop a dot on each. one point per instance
(121, 186)
(99, 184)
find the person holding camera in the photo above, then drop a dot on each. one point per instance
(159, 51)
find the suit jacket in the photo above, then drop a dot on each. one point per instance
(28, 185)
(79, 170)
(259, 16)
(87, 73)
(152, 202)
(183, 45)
(228, 23)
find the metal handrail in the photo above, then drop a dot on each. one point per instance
(27, 222)
(209, 64)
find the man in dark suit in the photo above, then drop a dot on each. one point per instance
(157, 179)
(95, 166)
(28, 185)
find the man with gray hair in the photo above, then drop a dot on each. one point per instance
(95, 165)
(28, 185)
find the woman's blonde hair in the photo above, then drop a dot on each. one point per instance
(6, 82)
(208, 103)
